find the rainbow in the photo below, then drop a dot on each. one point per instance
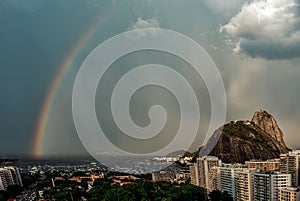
(51, 93)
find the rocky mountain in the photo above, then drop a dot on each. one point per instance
(268, 124)
(239, 141)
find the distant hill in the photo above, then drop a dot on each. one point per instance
(8, 161)
(178, 153)
(239, 141)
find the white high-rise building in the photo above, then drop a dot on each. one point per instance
(234, 178)
(200, 170)
(214, 179)
(266, 186)
(3, 184)
(9, 176)
(244, 184)
(205, 164)
(15, 173)
(290, 164)
(194, 174)
(227, 180)
(289, 194)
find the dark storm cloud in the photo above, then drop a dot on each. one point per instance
(269, 49)
(268, 29)
(36, 36)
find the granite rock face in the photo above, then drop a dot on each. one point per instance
(268, 124)
(239, 141)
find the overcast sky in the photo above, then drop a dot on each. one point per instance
(255, 45)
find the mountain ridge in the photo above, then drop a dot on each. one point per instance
(239, 141)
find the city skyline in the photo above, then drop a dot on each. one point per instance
(44, 44)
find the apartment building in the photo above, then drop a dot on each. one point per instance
(289, 164)
(266, 166)
(243, 179)
(200, 170)
(289, 194)
(9, 176)
(266, 185)
(214, 179)
(194, 176)
(228, 180)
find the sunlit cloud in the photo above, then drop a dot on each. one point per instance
(269, 29)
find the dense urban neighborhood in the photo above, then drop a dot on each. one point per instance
(208, 178)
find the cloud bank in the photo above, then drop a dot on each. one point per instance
(266, 28)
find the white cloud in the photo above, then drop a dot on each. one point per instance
(141, 24)
(145, 23)
(266, 28)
